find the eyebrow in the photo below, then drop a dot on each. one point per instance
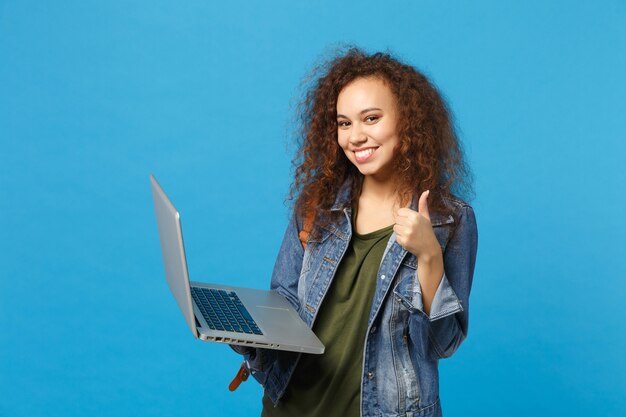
(369, 109)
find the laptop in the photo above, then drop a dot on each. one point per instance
(224, 313)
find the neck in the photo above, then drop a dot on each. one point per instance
(384, 191)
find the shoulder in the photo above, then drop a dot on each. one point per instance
(456, 210)
(455, 204)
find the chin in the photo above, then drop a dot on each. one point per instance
(368, 171)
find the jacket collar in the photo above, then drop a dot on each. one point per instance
(436, 218)
(343, 196)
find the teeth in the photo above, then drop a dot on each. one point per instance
(365, 153)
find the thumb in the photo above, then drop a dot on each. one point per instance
(423, 204)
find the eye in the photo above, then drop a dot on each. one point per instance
(372, 118)
(342, 124)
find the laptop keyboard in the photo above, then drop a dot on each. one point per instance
(223, 310)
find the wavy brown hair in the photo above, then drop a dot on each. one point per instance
(428, 157)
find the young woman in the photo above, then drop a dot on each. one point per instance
(379, 254)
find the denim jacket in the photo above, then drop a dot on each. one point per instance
(403, 344)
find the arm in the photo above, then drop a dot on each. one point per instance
(288, 264)
(447, 317)
(284, 280)
(429, 276)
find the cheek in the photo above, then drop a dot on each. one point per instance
(385, 134)
(342, 140)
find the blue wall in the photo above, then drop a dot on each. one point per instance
(96, 95)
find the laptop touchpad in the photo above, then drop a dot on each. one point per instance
(275, 320)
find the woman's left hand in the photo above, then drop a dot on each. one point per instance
(414, 231)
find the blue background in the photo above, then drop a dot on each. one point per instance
(95, 96)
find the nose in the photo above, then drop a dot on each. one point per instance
(357, 135)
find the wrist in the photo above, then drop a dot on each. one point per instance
(430, 258)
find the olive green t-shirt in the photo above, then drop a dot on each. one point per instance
(330, 384)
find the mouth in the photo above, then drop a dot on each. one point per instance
(364, 154)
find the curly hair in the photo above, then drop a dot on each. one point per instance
(428, 157)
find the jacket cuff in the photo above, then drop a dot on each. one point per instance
(257, 361)
(243, 350)
(445, 302)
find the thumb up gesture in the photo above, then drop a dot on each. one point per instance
(414, 231)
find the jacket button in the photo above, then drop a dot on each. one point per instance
(370, 375)
(382, 276)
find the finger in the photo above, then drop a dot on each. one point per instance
(423, 204)
(403, 221)
(400, 240)
(405, 212)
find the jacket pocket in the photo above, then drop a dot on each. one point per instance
(314, 245)
(407, 287)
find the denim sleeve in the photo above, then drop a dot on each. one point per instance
(288, 264)
(448, 321)
(284, 280)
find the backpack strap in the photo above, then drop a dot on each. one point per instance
(241, 376)
(309, 218)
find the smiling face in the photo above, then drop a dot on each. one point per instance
(366, 126)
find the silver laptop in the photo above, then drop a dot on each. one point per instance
(221, 313)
